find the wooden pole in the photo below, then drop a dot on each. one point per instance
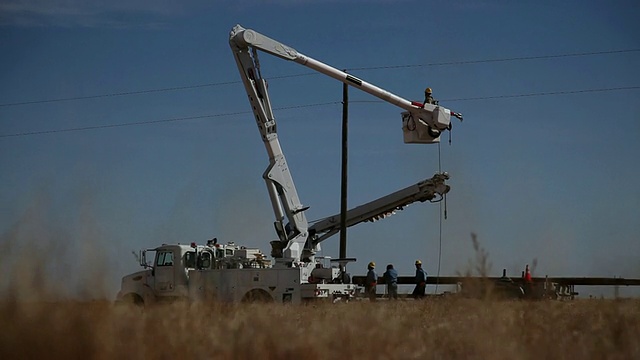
(343, 182)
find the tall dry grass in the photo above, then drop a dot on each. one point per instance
(436, 329)
(37, 322)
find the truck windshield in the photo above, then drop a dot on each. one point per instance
(164, 258)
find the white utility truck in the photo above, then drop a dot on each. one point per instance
(229, 272)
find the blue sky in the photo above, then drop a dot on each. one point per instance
(548, 177)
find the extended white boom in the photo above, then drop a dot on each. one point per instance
(422, 123)
(436, 117)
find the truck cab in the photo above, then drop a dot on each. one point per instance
(167, 278)
(164, 280)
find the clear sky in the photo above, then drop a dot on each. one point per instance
(545, 165)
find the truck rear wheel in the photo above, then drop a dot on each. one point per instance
(257, 296)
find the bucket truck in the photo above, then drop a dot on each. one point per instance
(229, 272)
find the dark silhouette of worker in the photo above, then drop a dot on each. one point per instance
(421, 281)
(371, 282)
(391, 279)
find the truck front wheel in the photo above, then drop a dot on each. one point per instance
(133, 299)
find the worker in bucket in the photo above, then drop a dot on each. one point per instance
(391, 279)
(428, 97)
(421, 281)
(371, 282)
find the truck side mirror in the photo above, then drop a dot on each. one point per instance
(143, 258)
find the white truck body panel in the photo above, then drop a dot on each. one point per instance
(232, 285)
(281, 285)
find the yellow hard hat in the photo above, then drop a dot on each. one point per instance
(372, 264)
(418, 262)
(428, 90)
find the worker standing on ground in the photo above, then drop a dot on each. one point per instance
(428, 97)
(391, 279)
(528, 282)
(421, 281)
(527, 274)
(371, 282)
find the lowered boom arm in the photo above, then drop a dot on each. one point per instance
(425, 190)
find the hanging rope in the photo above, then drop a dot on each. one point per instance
(440, 230)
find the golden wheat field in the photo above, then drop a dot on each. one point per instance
(431, 329)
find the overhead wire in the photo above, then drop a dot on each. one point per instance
(146, 91)
(545, 93)
(188, 87)
(466, 62)
(561, 92)
(95, 127)
(178, 88)
(140, 92)
(126, 93)
(148, 122)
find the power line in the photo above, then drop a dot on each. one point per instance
(188, 87)
(118, 94)
(139, 92)
(118, 125)
(565, 92)
(548, 93)
(149, 122)
(466, 62)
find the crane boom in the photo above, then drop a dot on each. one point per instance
(435, 118)
(422, 123)
(426, 190)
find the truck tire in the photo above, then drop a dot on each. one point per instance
(133, 299)
(257, 296)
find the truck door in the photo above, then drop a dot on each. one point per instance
(164, 274)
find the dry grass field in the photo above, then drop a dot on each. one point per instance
(438, 328)
(37, 324)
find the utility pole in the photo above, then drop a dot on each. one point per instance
(343, 182)
(343, 260)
